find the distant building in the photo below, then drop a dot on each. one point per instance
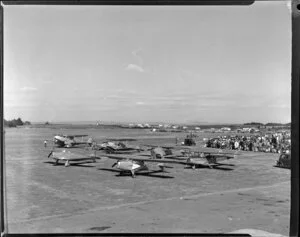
(246, 130)
(226, 129)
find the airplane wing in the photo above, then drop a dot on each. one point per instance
(205, 155)
(79, 143)
(154, 146)
(67, 155)
(165, 156)
(76, 135)
(122, 139)
(207, 151)
(145, 159)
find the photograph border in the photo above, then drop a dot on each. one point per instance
(295, 18)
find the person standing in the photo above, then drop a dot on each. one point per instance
(236, 145)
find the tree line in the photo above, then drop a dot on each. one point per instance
(15, 123)
(267, 124)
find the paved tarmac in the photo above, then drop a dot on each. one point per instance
(247, 193)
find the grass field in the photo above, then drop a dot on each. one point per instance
(247, 193)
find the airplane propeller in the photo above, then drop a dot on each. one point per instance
(50, 154)
(114, 164)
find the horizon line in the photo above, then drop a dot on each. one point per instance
(92, 122)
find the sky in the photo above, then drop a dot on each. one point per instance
(173, 64)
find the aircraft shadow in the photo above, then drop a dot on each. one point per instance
(143, 173)
(122, 139)
(276, 166)
(215, 167)
(81, 164)
(228, 164)
(223, 168)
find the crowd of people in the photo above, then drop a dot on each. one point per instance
(279, 142)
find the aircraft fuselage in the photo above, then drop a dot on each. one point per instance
(63, 141)
(132, 166)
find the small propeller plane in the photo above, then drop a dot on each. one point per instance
(160, 152)
(197, 151)
(193, 156)
(174, 151)
(208, 160)
(67, 156)
(133, 165)
(111, 147)
(70, 141)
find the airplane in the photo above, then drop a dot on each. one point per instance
(111, 147)
(160, 152)
(137, 164)
(205, 157)
(193, 156)
(197, 151)
(211, 160)
(69, 140)
(187, 151)
(67, 156)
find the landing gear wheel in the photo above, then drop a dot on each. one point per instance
(132, 174)
(67, 163)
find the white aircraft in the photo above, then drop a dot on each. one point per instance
(67, 156)
(112, 147)
(133, 165)
(70, 141)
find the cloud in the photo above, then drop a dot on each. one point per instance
(134, 67)
(136, 55)
(140, 103)
(27, 88)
